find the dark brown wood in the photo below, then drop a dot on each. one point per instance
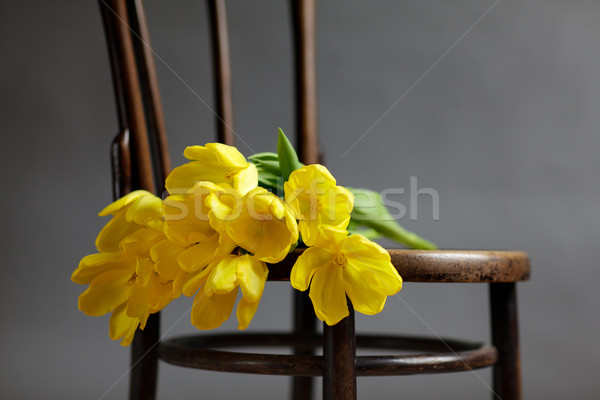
(304, 35)
(116, 71)
(196, 351)
(441, 266)
(144, 361)
(132, 167)
(505, 337)
(339, 359)
(221, 71)
(305, 324)
(121, 164)
(303, 14)
(150, 91)
(122, 58)
(140, 117)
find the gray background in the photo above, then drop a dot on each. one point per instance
(504, 127)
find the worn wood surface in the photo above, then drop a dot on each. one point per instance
(441, 266)
(339, 359)
(197, 351)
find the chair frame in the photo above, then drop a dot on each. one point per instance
(140, 160)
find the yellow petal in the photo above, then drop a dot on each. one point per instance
(113, 232)
(326, 236)
(361, 285)
(251, 276)
(186, 217)
(122, 326)
(139, 242)
(164, 254)
(216, 153)
(337, 206)
(200, 255)
(94, 264)
(123, 202)
(260, 231)
(363, 253)
(225, 204)
(187, 175)
(105, 292)
(307, 264)
(188, 283)
(245, 312)
(211, 312)
(144, 271)
(146, 211)
(246, 180)
(328, 295)
(160, 294)
(222, 278)
(137, 304)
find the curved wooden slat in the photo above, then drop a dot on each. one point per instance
(150, 90)
(127, 90)
(196, 352)
(441, 266)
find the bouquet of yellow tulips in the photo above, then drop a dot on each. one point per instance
(224, 219)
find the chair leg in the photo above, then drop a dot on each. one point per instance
(505, 337)
(339, 353)
(305, 323)
(144, 361)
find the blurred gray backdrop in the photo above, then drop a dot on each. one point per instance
(504, 127)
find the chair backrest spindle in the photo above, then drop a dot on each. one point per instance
(221, 71)
(127, 91)
(150, 90)
(304, 33)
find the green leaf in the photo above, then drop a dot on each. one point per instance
(271, 182)
(370, 212)
(266, 156)
(269, 166)
(288, 159)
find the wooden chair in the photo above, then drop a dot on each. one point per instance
(141, 161)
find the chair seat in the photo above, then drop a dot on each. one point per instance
(442, 355)
(440, 265)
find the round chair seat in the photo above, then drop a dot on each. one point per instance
(199, 351)
(440, 265)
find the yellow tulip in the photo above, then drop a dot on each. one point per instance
(265, 227)
(122, 278)
(312, 193)
(132, 211)
(187, 224)
(216, 163)
(214, 303)
(340, 266)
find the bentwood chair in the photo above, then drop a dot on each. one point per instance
(140, 161)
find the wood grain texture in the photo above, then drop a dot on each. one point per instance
(441, 266)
